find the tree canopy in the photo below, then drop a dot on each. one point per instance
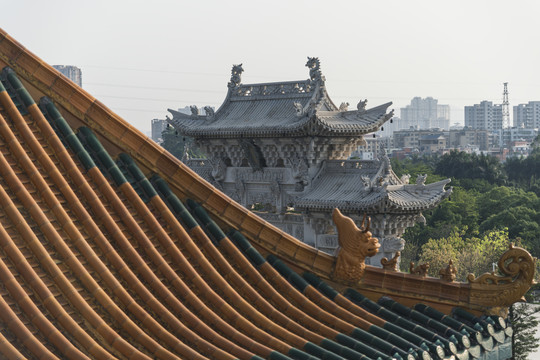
(492, 205)
(486, 198)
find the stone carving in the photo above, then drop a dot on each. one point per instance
(275, 190)
(209, 111)
(421, 180)
(271, 155)
(366, 181)
(218, 169)
(382, 183)
(300, 111)
(361, 106)
(314, 66)
(299, 232)
(321, 226)
(420, 219)
(354, 246)
(236, 79)
(421, 269)
(391, 264)
(405, 178)
(391, 244)
(268, 175)
(299, 170)
(300, 87)
(343, 106)
(261, 201)
(194, 110)
(253, 154)
(186, 155)
(449, 272)
(239, 189)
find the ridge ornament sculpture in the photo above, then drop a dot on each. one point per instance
(517, 268)
(354, 246)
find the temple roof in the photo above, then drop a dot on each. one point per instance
(112, 248)
(369, 186)
(293, 108)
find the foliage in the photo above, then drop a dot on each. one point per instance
(460, 211)
(524, 323)
(478, 204)
(469, 254)
(461, 165)
(417, 165)
(491, 203)
(515, 209)
(525, 172)
(178, 145)
(172, 142)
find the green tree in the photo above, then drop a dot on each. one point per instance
(417, 165)
(178, 145)
(461, 165)
(173, 142)
(474, 255)
(524, 323)
(460, 211)
(500, 198)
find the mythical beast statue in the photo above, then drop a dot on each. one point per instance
(354, 246)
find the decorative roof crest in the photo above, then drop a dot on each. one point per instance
(361, 106)
(421, 269)
(392, 264)
(355, 244)
(449, 273)
(236, 79)
(314, 66)
(517, 268)
(300, 111)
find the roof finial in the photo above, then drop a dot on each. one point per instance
(314, 66)
(236, 71)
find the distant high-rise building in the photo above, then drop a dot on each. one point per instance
(527, 115)
(425, 114)
(484, 116)
(71, 72)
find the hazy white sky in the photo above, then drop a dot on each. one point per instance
(142, 57)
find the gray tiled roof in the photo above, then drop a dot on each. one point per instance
(269, 109)
(350, 191)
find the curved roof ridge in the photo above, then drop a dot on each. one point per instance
(100, 258)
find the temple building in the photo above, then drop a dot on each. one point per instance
(112, 248)
(282, 150)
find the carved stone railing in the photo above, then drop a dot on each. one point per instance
(269, 89)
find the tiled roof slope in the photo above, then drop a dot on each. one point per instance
(339, 185)
(284, 109)
(103, 255)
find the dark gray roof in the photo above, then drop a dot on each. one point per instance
(369, 186)
(293, 108)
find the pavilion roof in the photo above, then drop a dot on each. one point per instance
(280, 109)
(369, 186)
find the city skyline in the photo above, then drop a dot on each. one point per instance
(144, 58)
